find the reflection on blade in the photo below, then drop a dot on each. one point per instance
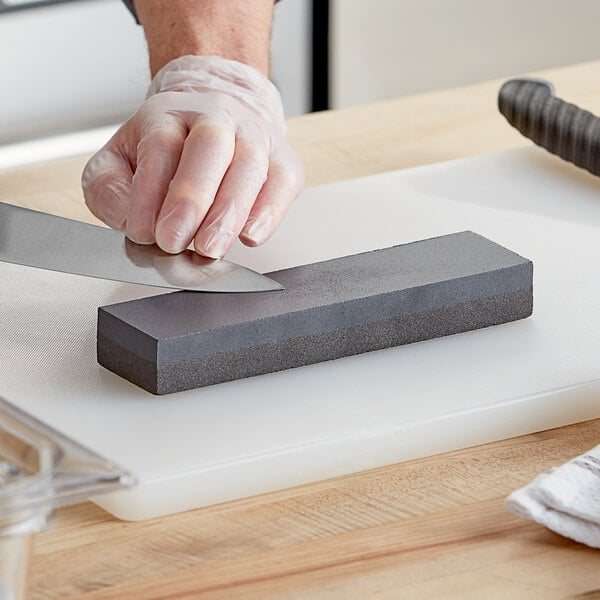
(190, 271)
(35, 239)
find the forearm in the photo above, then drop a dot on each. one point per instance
(234, 29)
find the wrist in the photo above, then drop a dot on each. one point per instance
(233, 29)
(237, 80)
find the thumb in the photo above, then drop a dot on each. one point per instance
(106, 183)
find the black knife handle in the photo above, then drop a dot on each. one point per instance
(562, 128)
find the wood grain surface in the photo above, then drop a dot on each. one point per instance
(431, 528)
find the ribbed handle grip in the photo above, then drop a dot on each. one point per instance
(562, 128)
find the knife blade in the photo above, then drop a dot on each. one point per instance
(35, 239)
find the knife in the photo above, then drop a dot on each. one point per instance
(36, 239)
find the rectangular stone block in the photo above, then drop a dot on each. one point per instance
(328, 310)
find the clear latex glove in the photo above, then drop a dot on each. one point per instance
(204, 159)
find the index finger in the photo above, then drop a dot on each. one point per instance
(207, 154)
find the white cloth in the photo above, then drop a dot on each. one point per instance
(565, 499)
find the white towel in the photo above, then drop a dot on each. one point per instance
(565, 499)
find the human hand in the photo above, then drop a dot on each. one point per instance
(204, 159)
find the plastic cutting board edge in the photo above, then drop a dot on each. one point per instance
(215, 444)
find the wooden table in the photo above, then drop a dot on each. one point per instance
(428, 528)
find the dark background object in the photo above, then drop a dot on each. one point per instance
(329, 310)
(562, 128)
(320, 54)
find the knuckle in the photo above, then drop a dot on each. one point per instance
(162, 129)
(154, 106)
(184, 193)
(167, 137)
(252, 151)
(213, 130)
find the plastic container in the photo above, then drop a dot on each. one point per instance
(40, 469)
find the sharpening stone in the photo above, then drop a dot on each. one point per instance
(331, 309)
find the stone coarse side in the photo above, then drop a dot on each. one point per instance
(331, 309)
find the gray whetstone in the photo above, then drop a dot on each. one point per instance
(331, 309)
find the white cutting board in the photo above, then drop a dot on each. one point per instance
(241, 438)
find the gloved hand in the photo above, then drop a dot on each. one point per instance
(203, 159)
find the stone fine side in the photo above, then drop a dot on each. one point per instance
(340, 307)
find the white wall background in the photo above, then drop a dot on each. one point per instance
(291, 54)
(84, 64)
(387, 48)
(67, 67)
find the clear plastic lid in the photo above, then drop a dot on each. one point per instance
(41, 469)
